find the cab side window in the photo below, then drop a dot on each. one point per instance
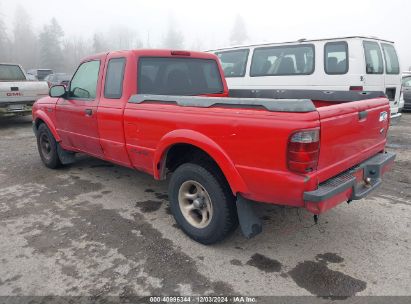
(336, 58)
(84, 82)
(373, 58)
(113, 87)
(392, 66)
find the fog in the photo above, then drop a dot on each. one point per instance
(28, 34)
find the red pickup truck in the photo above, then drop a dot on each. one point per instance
(168, 113)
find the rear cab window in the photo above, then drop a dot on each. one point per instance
(9, 72)
(178, 76)
(373, 58)
(336, 58)
(283, 60)
(234, 62)
(392, 66)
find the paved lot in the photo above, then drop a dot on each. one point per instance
(98, 229)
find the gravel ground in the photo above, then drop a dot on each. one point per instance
(98, 229)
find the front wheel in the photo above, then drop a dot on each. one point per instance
(202, 203)
(47, 147)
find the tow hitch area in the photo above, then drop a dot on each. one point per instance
(249, 222)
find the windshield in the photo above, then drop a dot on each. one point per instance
(10, 72)
(178, 76)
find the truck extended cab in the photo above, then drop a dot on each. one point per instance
(168, 112)
(17, 93)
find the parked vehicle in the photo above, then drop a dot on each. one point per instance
(58, 78)
(17, 92)
(167, 113)
(346, 63)
(40, 74)
(406, 91)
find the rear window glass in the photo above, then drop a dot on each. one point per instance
(178, 76)
(283, 60)
(113, 87)
(41, 74)
(233, 62)
(336, 57)
(373, 58)
(11, 73)
(392, 66)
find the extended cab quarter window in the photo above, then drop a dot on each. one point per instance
(373, 58)
(392, 66)
(178, 76)
(336, 58)
(283, 60)
(233, 62)
(113, 87)
(84, 82)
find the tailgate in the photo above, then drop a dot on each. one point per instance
(22, 91)
(350, 133)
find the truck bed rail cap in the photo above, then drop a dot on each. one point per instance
(272, 105)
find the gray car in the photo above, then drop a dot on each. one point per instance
(406, 87)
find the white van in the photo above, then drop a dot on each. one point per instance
(343, 64)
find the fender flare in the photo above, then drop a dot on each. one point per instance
(200, 141)
(41, 115)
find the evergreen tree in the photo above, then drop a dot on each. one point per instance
(4, 41)
(24, 40)
(239, 31)
(174, 39)
(51, 54)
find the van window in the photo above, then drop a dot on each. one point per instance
(336, 57)
(283, 60)
(113, 87)
(392, 66)
(406, 82)
(233, 62)
(178, 76)
(373, 58)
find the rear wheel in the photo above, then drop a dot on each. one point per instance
(202, 203)
(47, 147)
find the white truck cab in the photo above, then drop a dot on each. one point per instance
(347, 63)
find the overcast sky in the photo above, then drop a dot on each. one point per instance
(209, 23)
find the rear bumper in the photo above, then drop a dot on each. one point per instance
(353, 184)
(395, 118)
(15, 109)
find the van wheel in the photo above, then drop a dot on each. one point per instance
(47, 147)
(202, 205)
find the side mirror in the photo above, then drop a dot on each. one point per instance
(57, 91)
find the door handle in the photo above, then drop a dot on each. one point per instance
(362, 115)
(88, 112)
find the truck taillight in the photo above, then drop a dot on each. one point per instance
(303, 151)
(356, 88)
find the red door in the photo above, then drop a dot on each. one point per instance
(76, 114)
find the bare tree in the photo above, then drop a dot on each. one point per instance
(174, 39)
(24, 40)
(123, 38)
(239, 31)
(75, 49)
(99, 43)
